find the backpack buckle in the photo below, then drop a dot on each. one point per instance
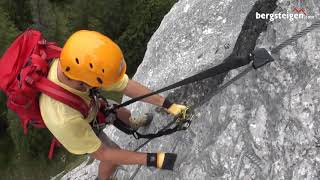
(29, 80)
(43, 42)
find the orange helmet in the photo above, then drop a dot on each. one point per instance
(93, 58)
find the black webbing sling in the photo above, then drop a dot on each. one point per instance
(259, 58)
(164, 131)
(232, 62)
(255, 65)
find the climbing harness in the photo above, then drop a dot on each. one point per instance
(182, 121)
(258, 58)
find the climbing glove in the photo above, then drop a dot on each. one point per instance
(173, 108)
(161, 160)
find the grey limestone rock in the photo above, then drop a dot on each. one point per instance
(263, 126)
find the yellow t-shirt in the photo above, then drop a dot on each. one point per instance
(67, 124)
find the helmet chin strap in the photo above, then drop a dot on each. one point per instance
(94, 104)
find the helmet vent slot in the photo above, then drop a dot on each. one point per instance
(77, 61)
(91, 66)
(99, 80)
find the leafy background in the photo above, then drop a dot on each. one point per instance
(130, 23)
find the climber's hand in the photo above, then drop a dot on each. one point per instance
(161, 160)
(177, 109)
(173, 108)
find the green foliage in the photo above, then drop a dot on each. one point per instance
(6, 151)
(19, 12)
(145, 18)
(8, 31)
(110, 17)
(6, 147)
(3, 113)
(7, 34)
(79, 15)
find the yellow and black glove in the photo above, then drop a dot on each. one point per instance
(173, 108)
(161, 160)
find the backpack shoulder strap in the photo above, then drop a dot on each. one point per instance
(55, 91)
(60, 94)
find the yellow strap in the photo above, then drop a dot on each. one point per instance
(160, 159)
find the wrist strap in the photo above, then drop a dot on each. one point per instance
(167, 103)
(152, 159)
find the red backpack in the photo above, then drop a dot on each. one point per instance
(23, 73)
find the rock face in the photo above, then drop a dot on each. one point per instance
(263, 126)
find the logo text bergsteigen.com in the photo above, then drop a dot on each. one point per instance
(289, 16)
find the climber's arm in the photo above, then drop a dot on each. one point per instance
(123, 157)
(119, 157)
(135, 89)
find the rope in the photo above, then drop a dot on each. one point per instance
(296, 37)
(142, 145)
(231, 81)
(230, 63)
(244, 72)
